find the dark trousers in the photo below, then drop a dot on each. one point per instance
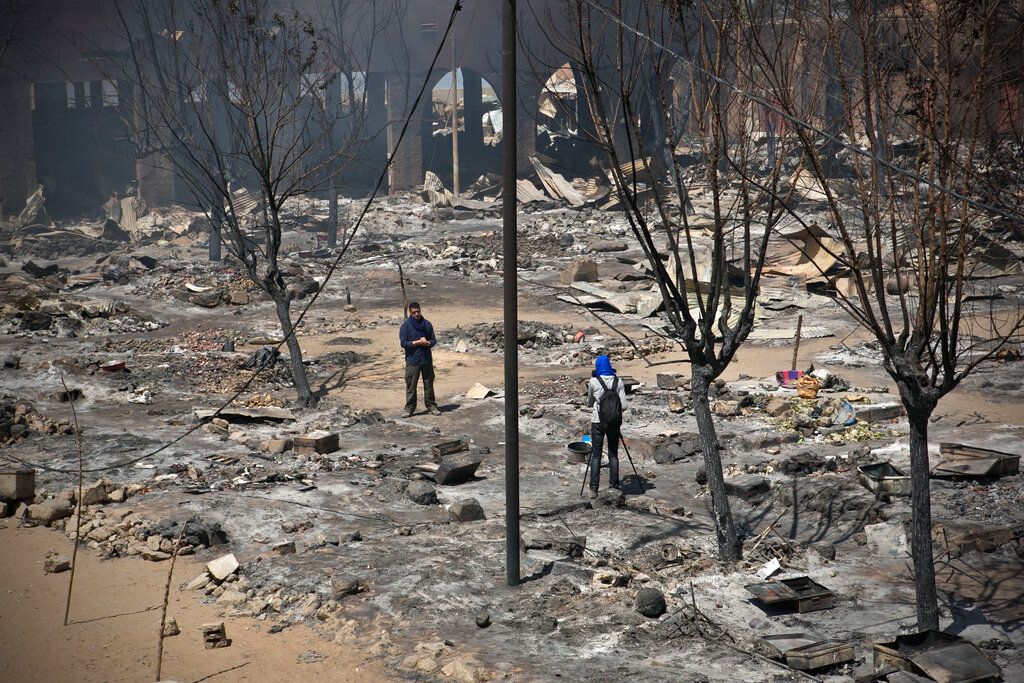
(598, 433)
(412, 376)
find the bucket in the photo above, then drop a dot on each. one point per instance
(579, 451)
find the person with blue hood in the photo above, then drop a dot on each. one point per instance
(607, 395)
(417, 338)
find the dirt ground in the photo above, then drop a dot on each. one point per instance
(420, 583)
(115, 618)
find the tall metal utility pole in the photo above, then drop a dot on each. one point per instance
(455, 121)
(510, 255)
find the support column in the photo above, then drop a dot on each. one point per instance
(17, 163)
(155, 177)
(526, 125)
(406, 170)
(376, 115)
(471, 140)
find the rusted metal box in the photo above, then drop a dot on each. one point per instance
(959, 460)
(807, 651)
(884, 477)
(17, 484)
(316, 442)
(444, 448)
(941, 656)
(800, 593)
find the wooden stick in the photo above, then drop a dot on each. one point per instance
(796, 346)
(167, 593)
(78, 515)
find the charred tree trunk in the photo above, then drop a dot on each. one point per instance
(305, 396)
(725, 531)
(921, 520)
(332, 219)
(215, 239)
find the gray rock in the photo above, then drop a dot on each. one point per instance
(421, 493)
(97, 492)
(467, 511)
(283, 548)
(50, 510)
(825, 549)
(580, 270)
(650, 602)
(667, 382)
(231, 598)
(483, 620)
(350, 537)
(343, 585)
(607, 245)
(611, 497)
(171, 627)
(56, 563)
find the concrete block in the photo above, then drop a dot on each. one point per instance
(283, 548)
(467, 511)
(579, 270)
(222, 567)
(746, 486)
(879, 412)
(667, 381)
(97, 492)
(889, 537)
(214, 635)
(457, 469)
(231, 598)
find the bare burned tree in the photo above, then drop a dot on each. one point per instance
(652, 83)
(237, 98)
(902, 119)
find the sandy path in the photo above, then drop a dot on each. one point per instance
(115, 615)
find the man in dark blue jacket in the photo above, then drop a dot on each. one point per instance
(417, 337)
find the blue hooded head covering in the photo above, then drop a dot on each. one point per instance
(602, 366)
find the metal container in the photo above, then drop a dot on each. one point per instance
(17, 484)
(807, 651)
(800, 593)
(959, 460)
(884, 477)
(940, 656)
(579, 451)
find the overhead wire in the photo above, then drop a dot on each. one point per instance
(456, 8)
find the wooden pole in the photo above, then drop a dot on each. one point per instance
(167, 594)
(78, 512)
(455, 121)
(405, 298)
(796, 346)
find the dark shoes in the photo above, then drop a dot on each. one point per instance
(408, 413)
